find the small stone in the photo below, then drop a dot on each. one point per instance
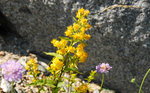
(107, 91)
(93, 86)
(41, 68)
(5, 85)
(23, 61)
(2, 53)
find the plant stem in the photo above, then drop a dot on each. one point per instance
(138, 87)
(102, 82)
(39, 90)
(143, 80)
(12, 90)
(62, 70)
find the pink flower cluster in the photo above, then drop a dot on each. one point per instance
(103, 68)
(12, 70)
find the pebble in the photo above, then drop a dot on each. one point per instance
(2, 53)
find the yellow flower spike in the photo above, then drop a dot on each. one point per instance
(27, 68)
(76, 36)
(71, 49)
(81, 36)
(61, 51)
(51, 77)
(84, 21)
(87, 37)
(38, 72)
(29, 73)
(83, 29)
(28, 63)
(82, 59)
(63, 43)
(48, 68)
(81, 11)
(56, 43)
(53, 41)
(82, 55)
(82, 88)
(76, 26)
(53, 72)
(35, 67)
(32, 61)
(80, 47)
(70, 28)
(34, 71)
(59, 64)
(88, 26)
(55, 59)
(86, 13)
(69, 31)
(34, 80)
(78, 15)
(78, 53)
(56, 65)
(53, 66)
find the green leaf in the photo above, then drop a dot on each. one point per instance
(40, 82)
(71, 69)
(54, 54)
(66, 38)
(31, 84)
(81, 41)
(57, 89)
(73, 60)
(42, 89)
(75, 19)
(86, 79)
(60, 84)
(66, 78)
(50, 83)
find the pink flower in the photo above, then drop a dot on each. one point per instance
(12, 70)
(103, 68)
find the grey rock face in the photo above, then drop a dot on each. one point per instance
(119, 36)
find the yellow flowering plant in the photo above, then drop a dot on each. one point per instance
(32, 67)
(70, 50)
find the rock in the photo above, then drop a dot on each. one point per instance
(5, 85)
(106, 91)
(23, 60)
(94, 87)
(119, 36)
(2, 53)
(41, 68)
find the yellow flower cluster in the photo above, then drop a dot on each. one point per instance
(56, 65)
(82, 88)
(74, 33)
(80, 53)
(77, 31)
(59, 44)
(32, 66)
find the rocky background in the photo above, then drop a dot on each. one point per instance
(119, 36)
